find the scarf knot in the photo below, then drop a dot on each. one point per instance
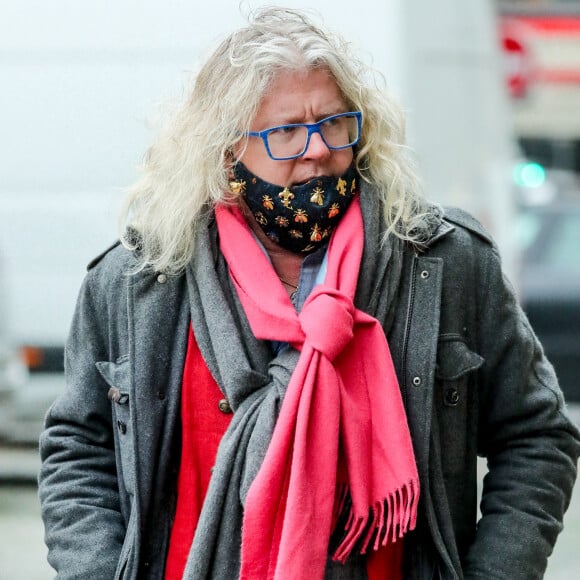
(327, 320)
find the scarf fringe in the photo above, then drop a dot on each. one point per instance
(400, 509)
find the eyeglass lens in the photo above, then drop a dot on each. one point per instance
(336, 132)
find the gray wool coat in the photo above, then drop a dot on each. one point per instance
(474, 382)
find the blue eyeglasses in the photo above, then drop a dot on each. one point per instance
(291, 141)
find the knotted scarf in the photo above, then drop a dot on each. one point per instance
(341, 439)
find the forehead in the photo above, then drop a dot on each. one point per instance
(295, 96)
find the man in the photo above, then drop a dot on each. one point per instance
(289, 366)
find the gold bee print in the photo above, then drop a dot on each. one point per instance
(238, 187)
(300, 216)
(295, 234)
(261, 218)
(341, 186)
(286, 196)
(282, 221)
(316, 234)
(317, 196)
(353, 186)
(267, 202)
(333, 210)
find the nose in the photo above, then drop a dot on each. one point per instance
(317, 148)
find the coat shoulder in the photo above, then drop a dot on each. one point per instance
(111, 269)
(117, 252)
(97, 259)
(459, 217)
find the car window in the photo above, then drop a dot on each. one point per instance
(563, 247)
(527, 229)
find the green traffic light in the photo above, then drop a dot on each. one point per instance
(529, 175)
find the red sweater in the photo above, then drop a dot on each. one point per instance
(204, 422)
(203, 425)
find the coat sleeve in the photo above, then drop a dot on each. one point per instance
(530, 443)
(78, 484)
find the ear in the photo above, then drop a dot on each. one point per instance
(236, 151)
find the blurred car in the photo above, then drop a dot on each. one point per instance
(12, 376)
(550, 284)
(34, 395)
(13, 372)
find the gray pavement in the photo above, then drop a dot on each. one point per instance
(23, 554)
(22, 550)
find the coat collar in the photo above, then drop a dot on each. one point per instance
(442, 230)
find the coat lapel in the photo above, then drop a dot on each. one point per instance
(158, 329)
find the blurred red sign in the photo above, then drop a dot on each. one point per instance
(517, 69)
(520, 33)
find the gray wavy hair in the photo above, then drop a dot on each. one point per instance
(185, 171)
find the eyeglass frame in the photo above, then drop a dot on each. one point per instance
(311, 128)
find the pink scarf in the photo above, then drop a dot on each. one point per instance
(342, 428)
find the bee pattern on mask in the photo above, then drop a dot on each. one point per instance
(300, 216)
(238, 187)
(286, 196)
(333, 210)
(317, 196)
(295, 234)
(353, 186)
(267, 202)
(261, 218)
(282, 221)
(315, 234)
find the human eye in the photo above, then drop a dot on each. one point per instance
(332, 121)
(287, 130)
(334, 125)
(287, 135)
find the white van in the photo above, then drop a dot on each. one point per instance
(47, 240)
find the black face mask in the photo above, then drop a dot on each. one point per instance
(300, 218)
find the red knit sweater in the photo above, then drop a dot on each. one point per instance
(203, 425)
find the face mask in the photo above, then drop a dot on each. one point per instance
(300, 218)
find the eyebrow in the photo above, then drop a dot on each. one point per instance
(299, 119)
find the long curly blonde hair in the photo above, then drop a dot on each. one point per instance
(184, 172)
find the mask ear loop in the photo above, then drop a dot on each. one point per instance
(230, 162)
(241, 143)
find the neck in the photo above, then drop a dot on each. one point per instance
(286, 264)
